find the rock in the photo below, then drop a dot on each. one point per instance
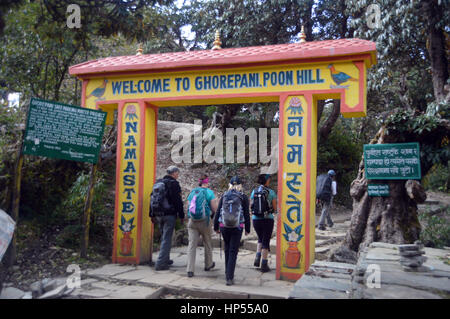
(413, 262)
(36, 289)
(28, 295)
(377, 244)
(344, 255)
(180, 237)
(419, 244)
(408, 247)
(411, 253)
(416, 269)
(55, 293)
(11, 293)
(415, 191)
(48, 284)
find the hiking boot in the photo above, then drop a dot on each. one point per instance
(164, 267)
(264, 266)
(257, 262)
(190, 274)
(210, 267)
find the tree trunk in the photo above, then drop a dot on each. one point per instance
(436, 48)
(11, 252)
(325, 130)
(227, 113)
(391, 219)
(87, 213)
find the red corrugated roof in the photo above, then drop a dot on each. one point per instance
(267, 53)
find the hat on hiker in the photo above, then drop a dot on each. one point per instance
(172, 169)
(331, 172)
(235, 181)
(204, 180)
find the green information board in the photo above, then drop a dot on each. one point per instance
(392, 161)
(378, 189)
(63, 131)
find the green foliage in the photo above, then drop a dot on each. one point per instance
(436, 232)
(249, 22)
(69, 214)
(342, 154)
(429, 131)
(438, 178)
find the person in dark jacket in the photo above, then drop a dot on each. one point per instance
(263, 225)
(232, 235)
(167, 221)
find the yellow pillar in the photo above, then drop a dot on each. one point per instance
(296, 186)
(135, 173)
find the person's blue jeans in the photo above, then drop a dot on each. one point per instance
(231, 239)
(166, 226)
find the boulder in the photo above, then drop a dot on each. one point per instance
(55, 293)
(11, 293)
(411, 253)
(36, 289)
(408, 247)
(413, 261)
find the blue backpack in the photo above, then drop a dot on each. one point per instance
(197, 206)
(232, 210)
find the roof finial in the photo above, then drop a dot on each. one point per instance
(139, 50)
(217, 43)
(302, 35)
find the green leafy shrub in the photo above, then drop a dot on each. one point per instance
(342, 154)
(436, 230)
(438, 178)
(69, 214)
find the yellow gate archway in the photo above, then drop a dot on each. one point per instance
(295, 75)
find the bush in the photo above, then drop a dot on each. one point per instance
(342, 154)
(69, 214)
(436, 230)
(438, 178)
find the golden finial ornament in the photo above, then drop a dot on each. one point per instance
(217, 43)
(302, 35)
(139, 50)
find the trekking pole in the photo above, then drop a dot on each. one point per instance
(220, 244)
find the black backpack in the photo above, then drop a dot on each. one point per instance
(159, 204)
(231, 209)
(323, 187)
(261, 206)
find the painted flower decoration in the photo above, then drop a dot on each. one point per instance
(126, 226)
(295, 106)
(292, 235)
(131, 112)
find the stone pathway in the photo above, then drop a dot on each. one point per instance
(339, 280)
(143, 282)
(129, 281)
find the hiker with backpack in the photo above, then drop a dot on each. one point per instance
(165, 205)
(231, 218)
(326, 189)
(263, 204)
(201, 203)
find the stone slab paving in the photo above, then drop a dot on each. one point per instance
(397, 283)
(339, 280)
(142, 281)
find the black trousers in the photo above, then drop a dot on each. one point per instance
(264, 228)
(232, 239)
